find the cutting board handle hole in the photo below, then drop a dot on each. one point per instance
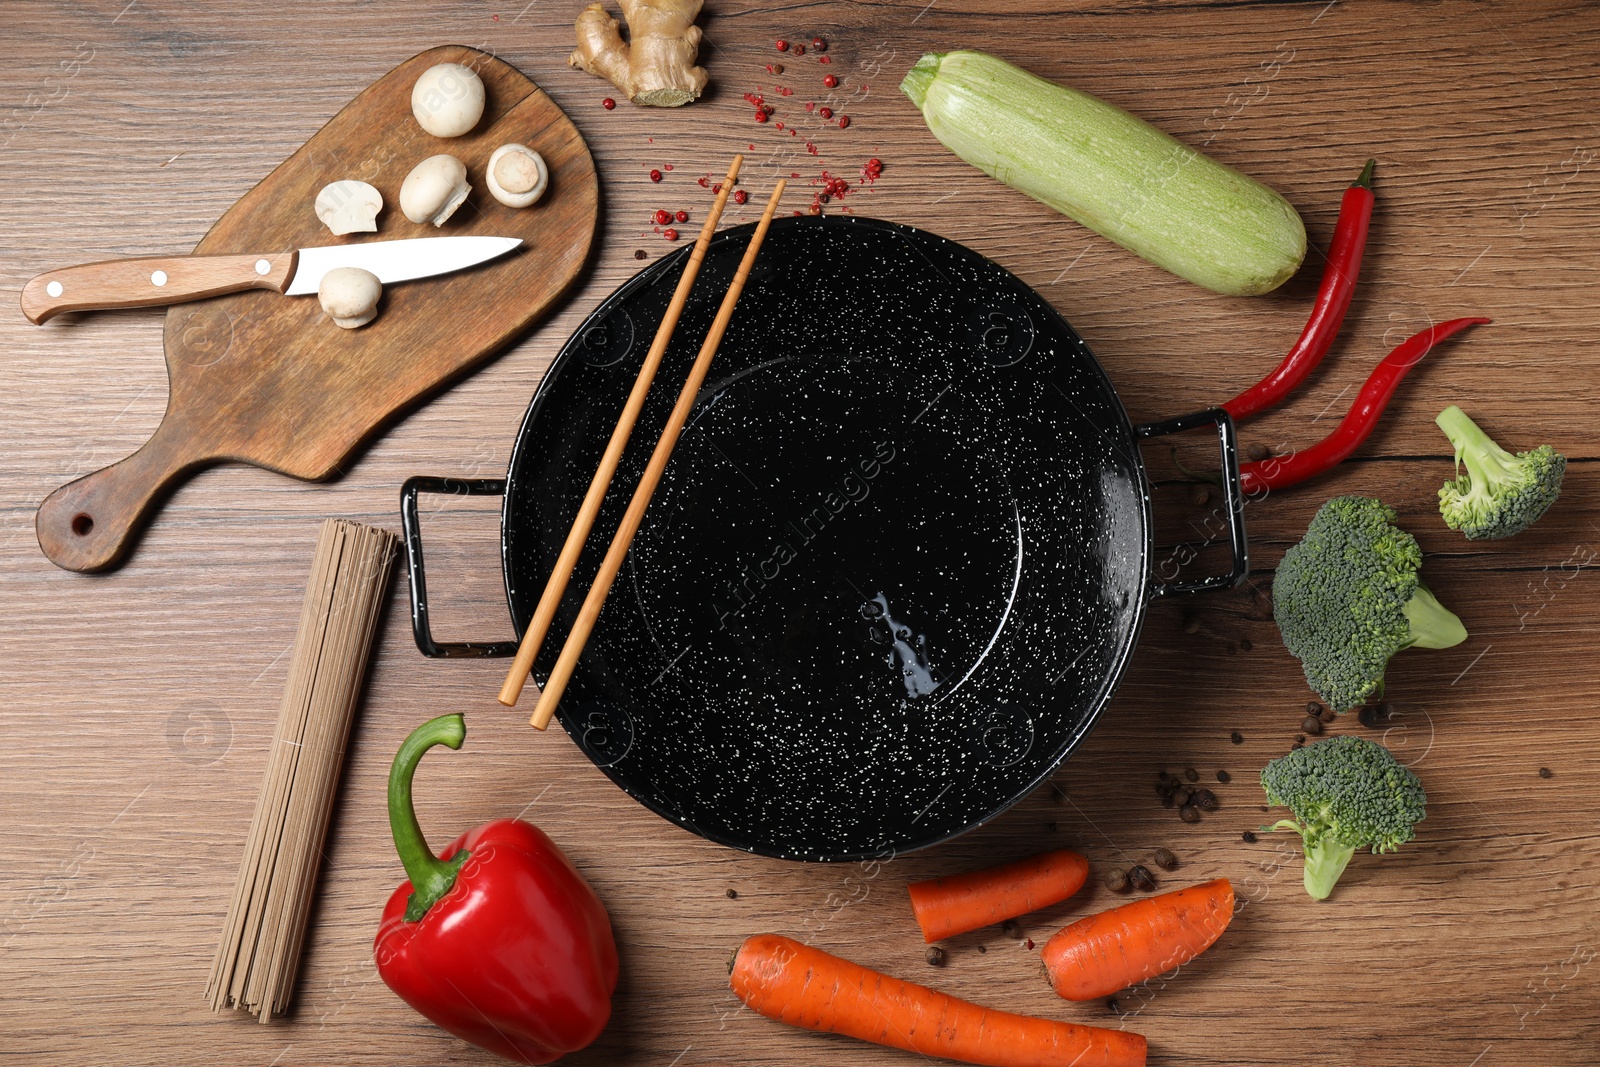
(83, 524)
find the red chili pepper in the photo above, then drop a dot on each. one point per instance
(1280, 472)
(1333, 300)
(501, 942)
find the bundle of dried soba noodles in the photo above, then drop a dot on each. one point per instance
(260, 951)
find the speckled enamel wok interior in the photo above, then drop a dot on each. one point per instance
(896, 565)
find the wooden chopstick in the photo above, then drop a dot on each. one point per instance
(556, 587)
(568, 661)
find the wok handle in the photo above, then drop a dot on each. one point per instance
(1233, 498)
(411, 524)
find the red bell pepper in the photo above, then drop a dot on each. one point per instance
(498, 939)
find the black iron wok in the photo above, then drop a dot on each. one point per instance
(896, 566)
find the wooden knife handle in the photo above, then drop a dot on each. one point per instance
(151, 282)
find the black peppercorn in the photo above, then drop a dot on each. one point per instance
(1189, 813)
(1545, 772)
(1236, 737)
(1205, 800)
(733, 894)
(1165, 859)
(1311, 725)
(1141, 878)
(1224, 777)
(1011, 929)
(1190, 774)
(1115, 880)
(1249, 837)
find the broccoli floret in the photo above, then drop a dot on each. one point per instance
(1348, 597)
(1500, 494)
(1346, 793)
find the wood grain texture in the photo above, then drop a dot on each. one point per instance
(272, 381)
(141, 703)
(151, 281)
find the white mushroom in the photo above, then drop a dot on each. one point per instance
(434, 189)
(447, 100)
(350, 296)
(349, 206)
(517, 175)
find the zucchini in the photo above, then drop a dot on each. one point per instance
(1114, 173)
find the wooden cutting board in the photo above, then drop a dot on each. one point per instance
(269, 380)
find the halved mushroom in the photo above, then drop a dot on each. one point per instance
(434, 189)
(350, 296)
(447, 100)
(349, 206)
(517, 175)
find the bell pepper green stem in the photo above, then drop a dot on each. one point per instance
(431, 877)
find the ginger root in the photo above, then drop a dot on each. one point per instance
(658, 67)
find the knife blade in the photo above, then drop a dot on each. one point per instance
(156, 281)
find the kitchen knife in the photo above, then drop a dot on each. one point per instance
(159, 280)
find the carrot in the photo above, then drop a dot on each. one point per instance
(1097, 956)
(804, 986)
(948, 906)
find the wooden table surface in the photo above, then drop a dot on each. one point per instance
(139, 704)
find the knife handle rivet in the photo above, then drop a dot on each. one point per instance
(263, 267)
(158, 278)
(54, 289)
